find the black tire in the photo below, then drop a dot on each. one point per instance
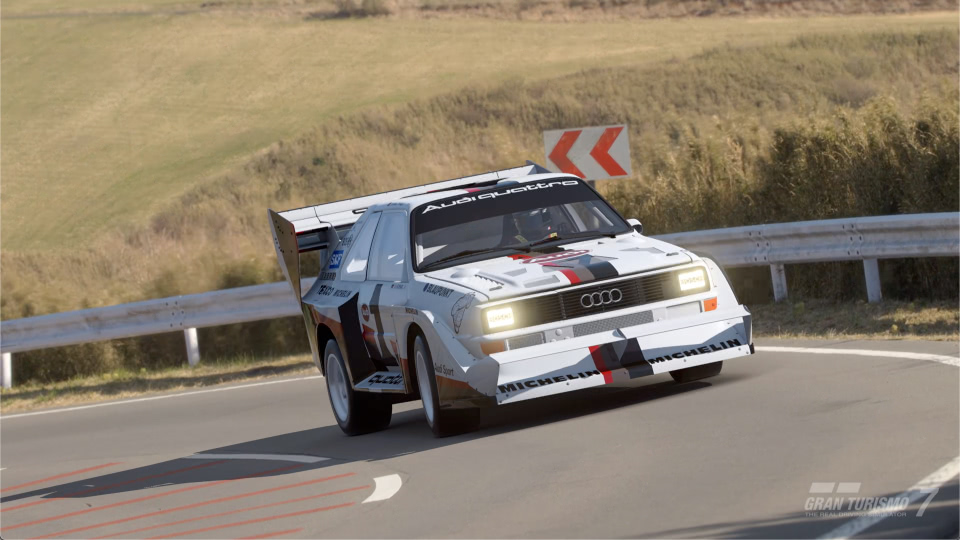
(356, 412)
(444, 422)
(696, 373)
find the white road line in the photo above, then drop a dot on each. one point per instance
(919, 490)
(269, 457)
(387, 486)
(152, 398)
(948, 360)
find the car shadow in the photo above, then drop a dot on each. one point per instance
(407, 434)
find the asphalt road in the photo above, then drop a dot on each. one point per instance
(736, 456)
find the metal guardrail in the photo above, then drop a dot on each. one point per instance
(866, 239)
(852, 239)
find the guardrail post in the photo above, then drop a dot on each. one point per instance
(872, 274)
(779, 278)
(193, 346)
(6, 372)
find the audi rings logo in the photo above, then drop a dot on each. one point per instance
(601, 298)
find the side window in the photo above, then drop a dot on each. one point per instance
(589, 215)
(355, 264)
(389, 248)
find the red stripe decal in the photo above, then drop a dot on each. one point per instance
(571, 275)
(601, 366)
(64, 475)
(597, 358)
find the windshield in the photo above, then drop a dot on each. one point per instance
(508, 218)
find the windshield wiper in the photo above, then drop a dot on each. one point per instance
(553, 238)
(589, 234)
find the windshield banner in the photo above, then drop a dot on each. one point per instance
(498, 201)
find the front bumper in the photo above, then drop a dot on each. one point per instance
(621, 354)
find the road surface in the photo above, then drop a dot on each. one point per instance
(763, 450)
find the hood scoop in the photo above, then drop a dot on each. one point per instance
(650, 250)
(464, 273)
(476, 279)
(542, 282)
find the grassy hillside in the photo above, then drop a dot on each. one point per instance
(109, 118)
(566, 10)
(730, 136)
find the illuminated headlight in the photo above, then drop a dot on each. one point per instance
(694, 279)
(499, 317)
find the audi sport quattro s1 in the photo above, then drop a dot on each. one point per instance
(493, 289)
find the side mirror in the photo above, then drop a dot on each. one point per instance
(637, 226)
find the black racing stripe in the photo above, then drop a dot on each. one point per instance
(634, 361)
(610, 359)
(356, 357)
(602, 270)
(385, 353)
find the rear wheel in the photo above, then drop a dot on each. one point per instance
(443, 422)
(696, 373)
(356, 412)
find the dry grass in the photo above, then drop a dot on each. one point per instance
(125, 384)
(819, 319)
(107, 119)
(553, 10)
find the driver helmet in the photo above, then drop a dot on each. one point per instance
(532, 224)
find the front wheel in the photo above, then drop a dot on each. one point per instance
(356, 412)
(443, 422)
(696, 373)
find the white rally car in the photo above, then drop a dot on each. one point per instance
(493, 289)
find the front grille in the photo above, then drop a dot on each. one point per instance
(635, 292)
(568, 304)
(528, 340)
(538, 310)
(606, 325)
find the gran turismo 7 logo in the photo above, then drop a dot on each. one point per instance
(841, 499)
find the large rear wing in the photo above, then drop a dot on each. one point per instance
(316, 228)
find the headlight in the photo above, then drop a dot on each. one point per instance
(694, 279)
(499, 317)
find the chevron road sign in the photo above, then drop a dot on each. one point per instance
(592, 153)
